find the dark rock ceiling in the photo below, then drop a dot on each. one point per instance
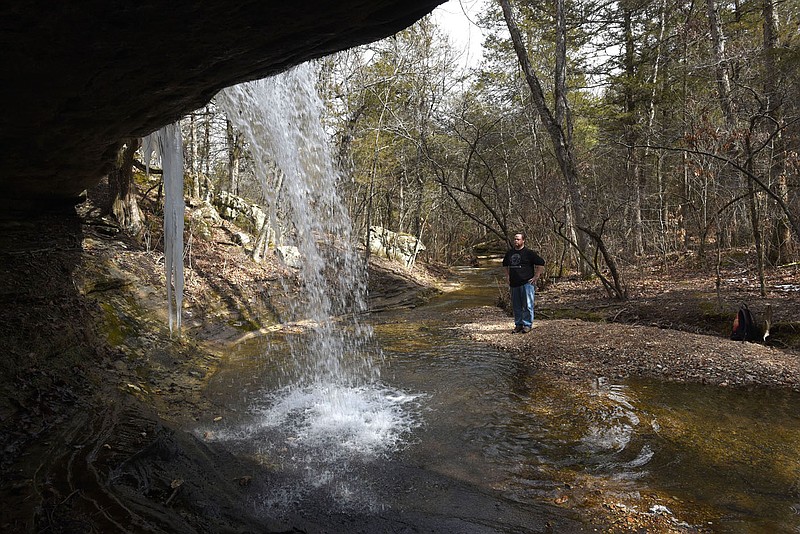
(82, 75)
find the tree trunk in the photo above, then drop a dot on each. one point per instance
(120, 181)
(777, 167)
(234, 157)
(559, 131)
(206, 163)
(193, 156)
(373, 172)
(262, 241)
(634, 170)
(721, 65)
(756, 220)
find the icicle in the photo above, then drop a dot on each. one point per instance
(166, 145)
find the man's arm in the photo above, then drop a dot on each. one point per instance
(537, 273)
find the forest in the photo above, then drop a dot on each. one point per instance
(608, 131)
(648, 149)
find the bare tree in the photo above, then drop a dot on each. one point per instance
(235, 149)
(559, 126)
(193, 156)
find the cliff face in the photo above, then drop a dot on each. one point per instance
(83, 75)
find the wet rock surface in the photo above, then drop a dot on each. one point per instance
(118, 468)
(95, 391)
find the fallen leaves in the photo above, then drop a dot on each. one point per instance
(581, 349)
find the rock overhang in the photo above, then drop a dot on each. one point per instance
(83, 76)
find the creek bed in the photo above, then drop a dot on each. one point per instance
(477, 442)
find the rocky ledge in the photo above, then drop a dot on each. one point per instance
(83, 75)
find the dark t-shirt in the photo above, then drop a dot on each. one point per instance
(520, 265)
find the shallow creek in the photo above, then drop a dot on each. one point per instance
(460, 437)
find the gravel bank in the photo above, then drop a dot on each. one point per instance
(574, 349)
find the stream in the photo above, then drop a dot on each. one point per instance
(460, 437)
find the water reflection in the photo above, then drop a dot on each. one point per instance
(713, 455)
(733, 451)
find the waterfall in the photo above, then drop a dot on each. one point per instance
(334, 412)
(281, 120)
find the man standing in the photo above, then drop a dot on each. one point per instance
(524, 267)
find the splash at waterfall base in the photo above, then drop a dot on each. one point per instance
(95, 393)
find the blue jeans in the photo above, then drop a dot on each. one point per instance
(522, 301)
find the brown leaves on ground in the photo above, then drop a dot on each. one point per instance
(576, 349)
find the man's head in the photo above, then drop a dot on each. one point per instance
(519, 240)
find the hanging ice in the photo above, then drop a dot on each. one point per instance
(166, 145)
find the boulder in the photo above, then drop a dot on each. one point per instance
(395, 246)
(238, 210)
(203, 219)
(290, 256)
(242, 239)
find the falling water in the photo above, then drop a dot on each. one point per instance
(335, 411)
(280, 117)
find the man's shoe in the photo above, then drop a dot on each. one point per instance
(526, 329)
(517, 330)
